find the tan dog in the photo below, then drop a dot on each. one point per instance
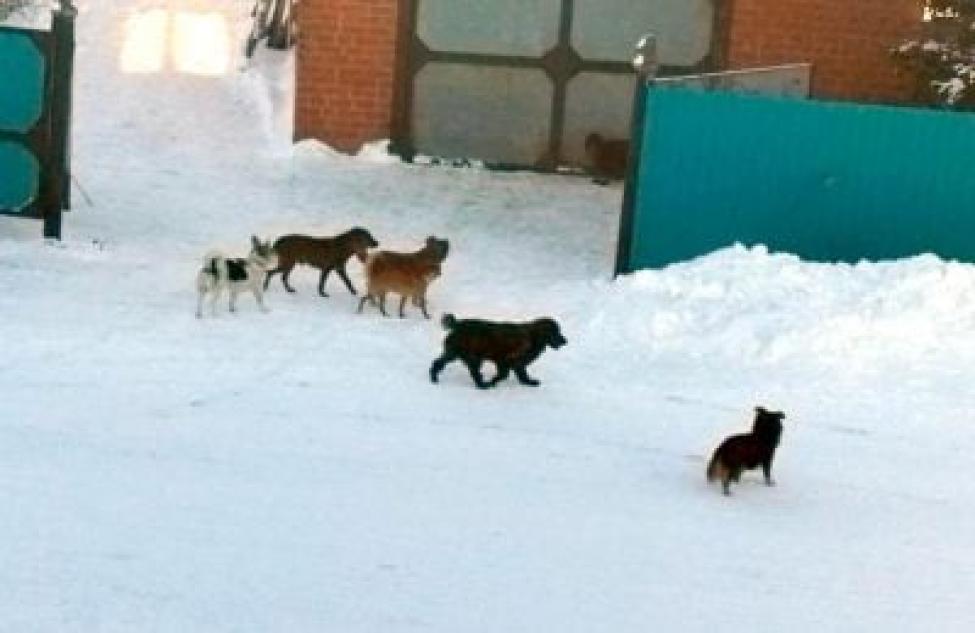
(406, 274)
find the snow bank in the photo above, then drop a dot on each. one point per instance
(766, 308)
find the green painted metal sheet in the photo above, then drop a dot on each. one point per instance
(18, 186)
(22, 87)
(825, 181)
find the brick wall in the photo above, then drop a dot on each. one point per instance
(345, 70)
(346, 66)
(848, 41)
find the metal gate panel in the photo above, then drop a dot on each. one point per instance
(499, 114)
(35, 110)
(21, 176)
(523, 82)
(526, 28)
(822, 180)
(608, 29)
(789, 80)
(21, 65)
(595, 102)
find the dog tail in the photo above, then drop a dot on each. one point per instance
(715, 469)
(448, 321)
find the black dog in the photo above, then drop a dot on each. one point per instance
(747, 451)
(510, 346)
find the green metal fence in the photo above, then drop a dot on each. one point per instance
(35, 107)
(825, 181)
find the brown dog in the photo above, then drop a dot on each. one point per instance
(406, 274)
(747, 451)
(607, 157)
(325, 253)
(510, 346)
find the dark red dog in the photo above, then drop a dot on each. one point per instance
(748, 451)
(510, 346)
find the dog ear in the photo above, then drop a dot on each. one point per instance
(256, 243)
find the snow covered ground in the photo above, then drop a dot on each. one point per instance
(296, 471)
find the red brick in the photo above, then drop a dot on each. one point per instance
(346, 53)
(848, 43)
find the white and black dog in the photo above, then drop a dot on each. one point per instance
(236, 275)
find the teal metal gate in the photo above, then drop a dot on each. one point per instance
(35, 107)
(825, 181)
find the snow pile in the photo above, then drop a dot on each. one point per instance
(377, 152)
(777, 308)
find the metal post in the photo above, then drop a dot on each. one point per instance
(646, 64)
(62, 29)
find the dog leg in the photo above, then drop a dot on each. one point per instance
(423, 306)
(345, 277)
(767, 470)
(382, 304)
(402, 306)
(439, 364)
(284, 279)
(267, 277)
(200, 294)
(725, 489)
(524, 378)
(321, 282)
(259, 297)
(503, 371)
(362, 302)
(233, 299)
(214, 299)
(474, 366)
